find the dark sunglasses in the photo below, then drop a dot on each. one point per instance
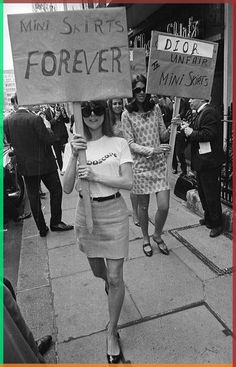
(139, 90)
(97, 110)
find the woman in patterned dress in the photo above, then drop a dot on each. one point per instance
(144, 129)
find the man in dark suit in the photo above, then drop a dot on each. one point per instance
(32, 140)
(207, 156)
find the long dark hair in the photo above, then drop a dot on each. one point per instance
(148, 103)
(106, 126)
(110, 109)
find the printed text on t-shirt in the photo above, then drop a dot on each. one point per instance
(89, 163)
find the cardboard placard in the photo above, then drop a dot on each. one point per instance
(181, 67)
(70, 56)
(137, 61)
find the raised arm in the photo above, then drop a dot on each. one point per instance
(129, 136)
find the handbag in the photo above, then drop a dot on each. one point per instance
(183, 184)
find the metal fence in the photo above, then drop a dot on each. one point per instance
(227, 169)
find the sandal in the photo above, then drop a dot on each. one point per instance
(147, 252)
(162, 246)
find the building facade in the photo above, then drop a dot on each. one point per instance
(210, 22)
(9, 89)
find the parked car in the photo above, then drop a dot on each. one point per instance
(14, 186)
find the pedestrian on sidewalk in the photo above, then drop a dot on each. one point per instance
(145, 131)
(185, 113)
(207, 156)
(108, 169)
(32, 140)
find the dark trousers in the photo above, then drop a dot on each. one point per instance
(53, 184)
(59, 149)
(179, 151)
(209, 193)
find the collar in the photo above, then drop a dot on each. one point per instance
(201, 107)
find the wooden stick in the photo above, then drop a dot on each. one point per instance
(82, 159)
(173, 134)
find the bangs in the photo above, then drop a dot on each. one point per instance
(98, 103)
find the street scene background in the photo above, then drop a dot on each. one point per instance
(177, 308)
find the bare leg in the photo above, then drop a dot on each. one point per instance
(98, 267)
(143, 204)
(134, 202)
(163, 198)
(115, 302)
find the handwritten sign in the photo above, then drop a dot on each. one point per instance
(182, 67)
(70, 56)
(137, 61)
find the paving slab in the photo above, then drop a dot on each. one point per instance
(33, 266)
(161, 283)
(75, 308)
(178, 216)
(37, 309)
(81, 306)
(69, 201)
(29, 228)
(60, 239)
(190, 336)
(136, 245)
(218, 294)
(217, 250)
(67, 260)
(90, 349)
(201, 270)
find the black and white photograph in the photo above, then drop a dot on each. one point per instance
(118, 183)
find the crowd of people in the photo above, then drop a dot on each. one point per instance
(127, 145)
(31, 136)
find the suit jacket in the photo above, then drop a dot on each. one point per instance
(31, 141)
(207, 127)
(59, 129)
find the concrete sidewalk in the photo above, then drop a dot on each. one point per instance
(177, 308)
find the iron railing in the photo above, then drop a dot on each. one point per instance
(227, 169)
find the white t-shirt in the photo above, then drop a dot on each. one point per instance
(105, 156)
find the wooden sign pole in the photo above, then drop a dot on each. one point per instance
(173, 134)
(82, 159)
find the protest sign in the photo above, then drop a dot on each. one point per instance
(70, 56)
(181, 67)
(137, 61)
